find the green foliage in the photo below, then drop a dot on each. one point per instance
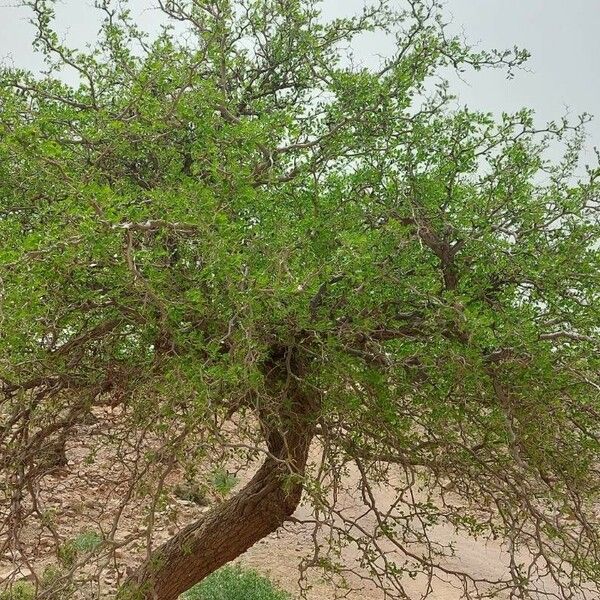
(85, 542)
(223, 481)
(20, 591)
(51, 575)
(235, 583)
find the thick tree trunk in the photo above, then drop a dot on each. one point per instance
(231, 528)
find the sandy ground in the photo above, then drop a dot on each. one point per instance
(279, 555)
(86, 496)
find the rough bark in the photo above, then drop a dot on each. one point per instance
(232, 527)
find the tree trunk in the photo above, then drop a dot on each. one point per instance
(232, 527)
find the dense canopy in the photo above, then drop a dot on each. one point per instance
(256, 248)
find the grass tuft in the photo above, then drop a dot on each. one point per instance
(235, 583)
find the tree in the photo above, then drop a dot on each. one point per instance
(256, 249)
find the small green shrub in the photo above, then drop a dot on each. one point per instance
(19, 591)
(86, 541)
(235, 583)
(52, 573)
(67, 554)
(223, 481)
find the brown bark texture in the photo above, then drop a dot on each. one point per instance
(230, 528)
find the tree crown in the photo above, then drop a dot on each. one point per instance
(205, 226)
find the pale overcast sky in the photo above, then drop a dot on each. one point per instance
(562, 35)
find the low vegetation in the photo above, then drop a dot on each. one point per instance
(235, 583)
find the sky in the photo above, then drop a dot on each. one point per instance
(562, 77)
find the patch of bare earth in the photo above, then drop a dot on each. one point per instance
(89, 495)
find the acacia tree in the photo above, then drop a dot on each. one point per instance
(258, 250)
